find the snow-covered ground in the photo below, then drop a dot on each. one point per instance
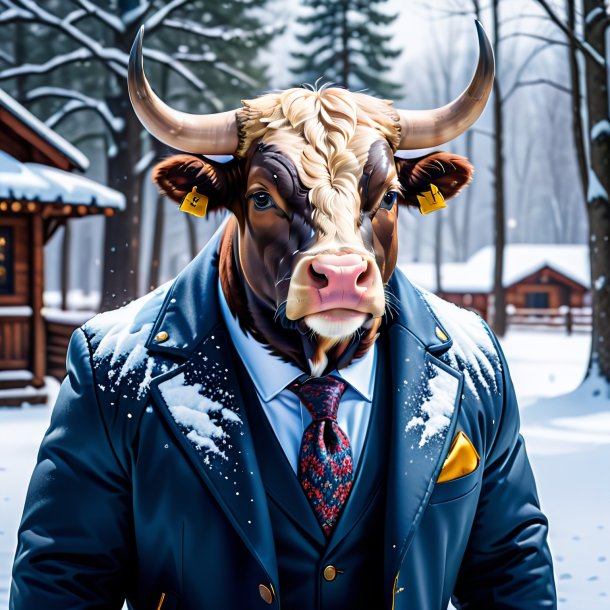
(568, 442)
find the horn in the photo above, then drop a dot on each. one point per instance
(212, 134)
(427, 128)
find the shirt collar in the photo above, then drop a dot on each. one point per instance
(270, 374)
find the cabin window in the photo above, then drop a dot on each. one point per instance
(7, 279)
(537, 300)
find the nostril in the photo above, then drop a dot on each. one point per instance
(320, 280)
(365, 279)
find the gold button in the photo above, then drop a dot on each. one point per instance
(266, 594)
(330, 573)
(161, 336)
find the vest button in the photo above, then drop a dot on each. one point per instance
(266, 594)
(330, 573)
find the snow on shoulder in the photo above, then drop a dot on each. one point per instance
(473, 351)
(118, 340)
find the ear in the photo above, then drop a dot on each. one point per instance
(219, 182)
(449, 173)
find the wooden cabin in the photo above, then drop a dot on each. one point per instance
(545, 277)
(38, 192)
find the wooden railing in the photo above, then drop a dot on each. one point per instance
(570, 318)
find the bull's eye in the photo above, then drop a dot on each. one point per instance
(262, 200)
(389, 199)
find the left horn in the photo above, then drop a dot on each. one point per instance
(212, 134)
(427, 128)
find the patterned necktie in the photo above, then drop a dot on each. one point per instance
(325, 468)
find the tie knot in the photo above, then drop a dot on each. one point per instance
(320, 395)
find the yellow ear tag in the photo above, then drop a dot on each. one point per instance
(195, 203)
(430, 201)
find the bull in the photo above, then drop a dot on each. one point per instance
(291, 345)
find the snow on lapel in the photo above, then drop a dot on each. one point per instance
(201, 398)
(472, 353)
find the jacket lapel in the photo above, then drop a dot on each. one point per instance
(426, 400)
(202, 405)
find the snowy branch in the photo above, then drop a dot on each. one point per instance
(218, 33)
(114, 123)
(112, 57)
(538, 81)
(109, 19)
(56, 62)
(156, 20)
(135, 14)
(585, 48)
(5, 57)
(143, 165)
(221, 66)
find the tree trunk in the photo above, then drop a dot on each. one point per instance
(438, 253)
(577, 120)
(122, 235)
(499, 320)
(157, 245)
(344, 45)
(598, 205)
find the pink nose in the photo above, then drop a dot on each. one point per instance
(342, 278)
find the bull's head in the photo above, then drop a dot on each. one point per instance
(314, 188)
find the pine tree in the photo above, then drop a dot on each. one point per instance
(345, 44)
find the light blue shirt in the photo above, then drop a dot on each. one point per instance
(287, 416)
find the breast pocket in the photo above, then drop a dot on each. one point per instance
(456, 488)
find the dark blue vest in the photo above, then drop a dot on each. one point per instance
(345, 571)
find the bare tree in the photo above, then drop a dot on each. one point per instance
(596, 140)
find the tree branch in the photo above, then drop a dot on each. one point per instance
(56, 62)
(112, 21)
(535, 37)
(157, 19)
(571, 35)
(114, 123)
(538, 81)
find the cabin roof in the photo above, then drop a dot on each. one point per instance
(520, 261)
(46, 184)
(27, 126)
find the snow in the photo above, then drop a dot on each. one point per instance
(438, 407)
(15, 310)
(596, 189)
(568, 442)
(600, 282)
(62, 316)
(473, 351)
(197, 413)
(36, 182)
(594, 53)
(594, 14)
(520, 260)
(19, 375)
(37, 126)
(600, 129)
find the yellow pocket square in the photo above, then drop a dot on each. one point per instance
(462, 459)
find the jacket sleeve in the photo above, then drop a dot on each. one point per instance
(74, 539)
(507, 564)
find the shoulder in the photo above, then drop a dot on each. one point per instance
(474, 348)
(122, 365)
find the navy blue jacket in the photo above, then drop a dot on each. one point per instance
(147, 486)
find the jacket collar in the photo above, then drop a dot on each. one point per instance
(191, 309)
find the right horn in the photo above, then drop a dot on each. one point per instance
(428, 128)
(211, 134)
